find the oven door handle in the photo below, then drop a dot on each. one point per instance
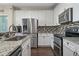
(57, 46)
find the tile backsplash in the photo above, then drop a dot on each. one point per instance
(46, 29)
(56, 29)
(53, 29)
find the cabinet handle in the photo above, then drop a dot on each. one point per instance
(67, 43)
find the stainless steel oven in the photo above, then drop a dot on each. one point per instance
(57, 49)
(58, 45)
(58, 39)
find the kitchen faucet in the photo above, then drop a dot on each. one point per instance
(8, 35)
(13, 27)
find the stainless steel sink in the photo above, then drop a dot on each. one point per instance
(16, 38)
(6, 35)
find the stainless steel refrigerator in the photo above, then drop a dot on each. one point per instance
(30, 27)
(34, 41)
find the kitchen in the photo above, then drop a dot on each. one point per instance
(39, 29)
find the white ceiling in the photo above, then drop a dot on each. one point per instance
(31, 5)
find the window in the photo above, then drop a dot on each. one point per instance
(3, 23)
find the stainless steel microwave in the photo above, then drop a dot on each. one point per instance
(66, 16)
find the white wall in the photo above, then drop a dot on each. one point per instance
(43, 16)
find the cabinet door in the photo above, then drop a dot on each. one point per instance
(51, 41)
(24, 51)
(40, 40)
(67, 51)
(47, 41)
(44, 41)
(26, 48)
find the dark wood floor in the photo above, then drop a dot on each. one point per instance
(42, 51)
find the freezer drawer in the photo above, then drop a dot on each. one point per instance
(34, 42)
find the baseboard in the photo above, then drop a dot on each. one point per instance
(44, 46)
(33, 47)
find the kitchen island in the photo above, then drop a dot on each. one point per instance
(7, 47)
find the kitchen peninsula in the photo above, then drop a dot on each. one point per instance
(8, 47)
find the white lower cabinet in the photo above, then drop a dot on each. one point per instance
(26, 48)
(70, 48)
(41, 40)
(51, 42)
(45, 40)
(67, 51)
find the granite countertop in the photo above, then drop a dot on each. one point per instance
(75, 41)
(7, 47)
(72, 39)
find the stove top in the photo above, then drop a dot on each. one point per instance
(69, 32)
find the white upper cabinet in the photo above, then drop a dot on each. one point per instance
(45, 17)
(49, 18)
(63, 6)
